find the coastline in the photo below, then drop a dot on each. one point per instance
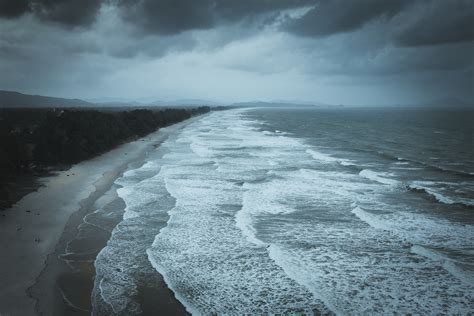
(37, 229)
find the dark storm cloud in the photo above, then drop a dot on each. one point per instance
(66, 12)
(250, 49)
(168, 17)
(13, 8)
(338, 16)
(439, 22)
(416, 23)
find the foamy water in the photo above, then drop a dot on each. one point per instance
(264, 221)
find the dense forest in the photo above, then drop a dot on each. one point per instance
(33, 141)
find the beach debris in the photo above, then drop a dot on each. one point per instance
(37, 213)
(18, 229)
(37, 239)
(28, 211)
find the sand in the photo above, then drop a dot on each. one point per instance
(40, 223)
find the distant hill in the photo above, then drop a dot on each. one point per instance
(302, 103)
(186, 102)
(117, 102)
(282, 104)
(10, 99)
(131, 104)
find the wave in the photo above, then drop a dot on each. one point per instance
(355, 277)
(244, 221)
(113, 287)
(146, 200)
(137, 198)
(325, 158)
(453, 266)
(263, 198)
(161, 270)
(418, 186)
(284, 260)
(401, 162)
(417, 228)
(380, 177)
(462, 173)
(276, 132)
(370, 218)
(210, 253)
(404, 160)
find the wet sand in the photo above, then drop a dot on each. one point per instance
(35, 232)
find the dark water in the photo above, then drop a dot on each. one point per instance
(428, 151)
(304, 211)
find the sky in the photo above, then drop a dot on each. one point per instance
(355, 52)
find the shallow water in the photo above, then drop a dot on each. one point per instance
(302, 211)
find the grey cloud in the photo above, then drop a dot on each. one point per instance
(439, 22)
(151, 46)
(65, 12)
(162, 17)
(169, 17)
(338, 16)
(398, 61)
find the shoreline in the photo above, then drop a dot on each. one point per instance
(37, 229)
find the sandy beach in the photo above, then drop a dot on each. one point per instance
(38, 228)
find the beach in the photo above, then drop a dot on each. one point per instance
(38, 228)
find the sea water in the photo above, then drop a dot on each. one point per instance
(302, 211)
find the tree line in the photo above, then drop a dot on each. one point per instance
(31, 140)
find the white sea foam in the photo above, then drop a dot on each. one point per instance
(292, 269)
(376, 282)
(347, 162)
(262, 226)
(464, 271)
(158, 267)
(325, 158)
(381, 177)
(371, 219)
(438, 191)
(418, 228)
(438, 196)
(319, 253)
(204, 252)
(114, 288)
(401, 163)
(116, 278)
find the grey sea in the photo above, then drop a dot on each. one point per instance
(300, 211)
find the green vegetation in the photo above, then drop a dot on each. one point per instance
(33, 140)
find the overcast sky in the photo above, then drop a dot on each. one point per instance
(367, 52)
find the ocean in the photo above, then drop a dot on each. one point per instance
(300, 211)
